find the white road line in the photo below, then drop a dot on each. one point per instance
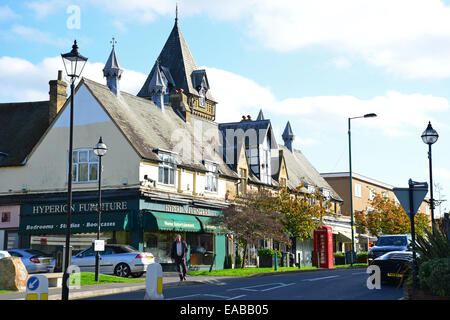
(216, 296)
(281, 286)
(322, 278)
(242, 295)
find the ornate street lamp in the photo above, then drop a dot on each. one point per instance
(369, 115)
(100, 150)
(430, 136)
(74, 65)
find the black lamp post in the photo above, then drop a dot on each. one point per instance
(430, 136)
(100, 150)
(369, 115)
(74, 64)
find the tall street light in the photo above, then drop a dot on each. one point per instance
(74, 64)
(100, 150)
(369, 115)
(430, 136)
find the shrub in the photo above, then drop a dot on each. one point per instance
(434, 275)
(229, 262)
(432, 246)
(239, 260)
(361, 257)
(268, 252)
(339, 255)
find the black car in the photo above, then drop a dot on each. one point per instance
(388, 243)
(395, 266)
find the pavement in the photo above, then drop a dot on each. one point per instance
(170, 280)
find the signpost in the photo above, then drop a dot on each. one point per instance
(410, 199)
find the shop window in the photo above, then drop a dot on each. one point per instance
(167, 167)
(85, 166)
(6, 217)
(202, 248)
(160, 245)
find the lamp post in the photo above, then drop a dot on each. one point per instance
(430, 136)
(100, 150)
(369, 115)
(74, 64)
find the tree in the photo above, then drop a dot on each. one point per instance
(387, 217)
(302, 212)
(251, 218)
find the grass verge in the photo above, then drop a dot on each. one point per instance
(88, 278)
(239, 272)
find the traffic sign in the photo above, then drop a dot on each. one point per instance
(37, 288)
(419, 191)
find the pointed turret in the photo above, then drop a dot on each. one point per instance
(260, 116)
(157, 87)
(288, 136)
(113, 71)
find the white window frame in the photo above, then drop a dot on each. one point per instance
(212, 177)
(358, 190)
(76, 165)
(168, 161)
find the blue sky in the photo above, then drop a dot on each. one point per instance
(314, 63)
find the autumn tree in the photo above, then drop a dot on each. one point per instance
(388, 217)
(252, 217)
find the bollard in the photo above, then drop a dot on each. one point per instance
(276, 261)
(299, 261)
(154, 282)
(37, 288)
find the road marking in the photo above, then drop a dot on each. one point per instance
(281, 286)
(322, 278)
(216, 296)
(242, 295)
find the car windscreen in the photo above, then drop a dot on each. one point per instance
(391, 241)
(35, 253)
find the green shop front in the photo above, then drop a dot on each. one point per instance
(128, 217)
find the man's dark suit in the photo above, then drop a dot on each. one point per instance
(180, 260)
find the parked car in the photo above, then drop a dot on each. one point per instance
(34, 261)
(120, 260)
(394, 266)
(388, 243)
(4, 254)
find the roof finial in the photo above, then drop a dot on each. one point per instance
(113, 41)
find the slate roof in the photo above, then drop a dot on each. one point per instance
(177, 57)
(300, 170)
(22, 125)
(147, 128)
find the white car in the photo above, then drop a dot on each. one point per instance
(4, 254)
(118, 259)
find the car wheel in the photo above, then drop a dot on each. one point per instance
(122, 270)
(137, 274)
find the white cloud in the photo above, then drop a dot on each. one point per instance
(35, 35)
(7, 14)
(42, 9)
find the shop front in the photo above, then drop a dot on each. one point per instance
(163, 221)
(9, 226)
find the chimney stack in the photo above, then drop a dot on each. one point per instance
(58, 96)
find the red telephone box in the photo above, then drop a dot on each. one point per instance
(323, 245)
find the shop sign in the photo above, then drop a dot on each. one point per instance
(189, 210)
(78, 207)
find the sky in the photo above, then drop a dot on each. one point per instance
(314, 63)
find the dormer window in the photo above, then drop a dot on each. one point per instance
(201, 98)
(167, 168)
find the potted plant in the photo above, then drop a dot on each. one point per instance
(361, 257)
(339, 258)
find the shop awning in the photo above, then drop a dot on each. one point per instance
(154, 220)
(210, 226)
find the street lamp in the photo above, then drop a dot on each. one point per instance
(100, 150)
(74, 64)
(430, 136)
(369, 115)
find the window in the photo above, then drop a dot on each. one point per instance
(358, 190)
(211, 177)
(167, 167)
(85, 166)
(242, 186)
(283, 182)
(201, 98)
(6, 217)
(371, 193)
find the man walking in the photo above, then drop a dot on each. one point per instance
(178, 253)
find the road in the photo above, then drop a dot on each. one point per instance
(337, 284)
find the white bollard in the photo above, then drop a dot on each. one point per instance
(154, 282)
(37, 288)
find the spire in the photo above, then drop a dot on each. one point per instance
(288, 136)
(260, 116)
(112, 70)
(176, 13)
